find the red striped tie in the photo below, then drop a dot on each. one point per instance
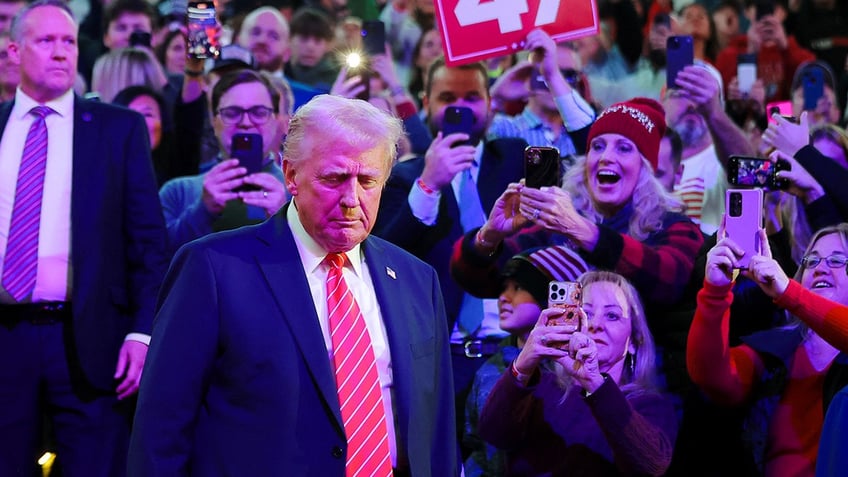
(21, 260)
(357, 381)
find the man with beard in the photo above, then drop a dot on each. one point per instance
(431, 201)
(694, 109)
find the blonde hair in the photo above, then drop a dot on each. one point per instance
(125, 67)
(640, 374)
(651, 202)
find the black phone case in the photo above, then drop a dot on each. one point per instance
(541, 166)
(457, 119)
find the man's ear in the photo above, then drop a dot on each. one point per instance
(290, 176)
(14, 53)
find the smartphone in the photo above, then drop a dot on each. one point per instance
(757, 172)
(373, 37)
(458, 119)
(537, 80)
(541, 166)
(662, 19)
(569, 297)
(783, 108)
(356, 67)
(812, 80)
(743, 219)
(202, 26)
(746, 71)
(764, 8)
(140, 38)
(679, 54)
(247, 148)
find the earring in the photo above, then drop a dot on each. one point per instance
(630, 363)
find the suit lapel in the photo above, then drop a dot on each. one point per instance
(388, 279)
(487, 179)
(282, 268)
(5, 112)
(87, 177)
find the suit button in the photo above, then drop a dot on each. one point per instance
(338, 452)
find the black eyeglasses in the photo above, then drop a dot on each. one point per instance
(234, 114)
(832, 261)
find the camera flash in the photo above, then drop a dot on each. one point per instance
(353, 60)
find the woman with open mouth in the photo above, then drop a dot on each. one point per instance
(779, 375)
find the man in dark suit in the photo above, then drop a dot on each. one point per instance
(425, 209)
(244, 363)
(83, 252)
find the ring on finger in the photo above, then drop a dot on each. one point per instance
(536, 214)
(544, 339)
(265, 194)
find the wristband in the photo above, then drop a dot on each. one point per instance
(427, 190)
(483, 243)
(192, 73)
(518, 375)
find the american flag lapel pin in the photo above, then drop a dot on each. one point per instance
(391, 273)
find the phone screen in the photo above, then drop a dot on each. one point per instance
(746, 72)
(680, 54)
(202, 28)
(756, 172)
(541, 166)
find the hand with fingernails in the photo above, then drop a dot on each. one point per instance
(271, 193)
(545, 341)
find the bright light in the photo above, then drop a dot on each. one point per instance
(353, 60)
(47, 458)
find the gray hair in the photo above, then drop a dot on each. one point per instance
(17, 22)
(336, 122)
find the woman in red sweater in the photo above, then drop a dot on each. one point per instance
(779, 374)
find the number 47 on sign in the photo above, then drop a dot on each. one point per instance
(474, 30)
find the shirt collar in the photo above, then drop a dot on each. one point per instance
(63, 105)
(312, 254)
(531, 119)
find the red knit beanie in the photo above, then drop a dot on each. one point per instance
(642, 120)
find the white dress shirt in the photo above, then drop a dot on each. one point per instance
(358, 279)
(53, 277)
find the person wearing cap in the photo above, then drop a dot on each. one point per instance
(583, 401)
(614, 212)
(523, 295)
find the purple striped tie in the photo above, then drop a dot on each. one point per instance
(21, 260)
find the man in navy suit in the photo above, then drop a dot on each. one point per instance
(240, 379)
(72, 341)
(423, 209)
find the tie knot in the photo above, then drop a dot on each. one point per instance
(41, 111)
(335, 260)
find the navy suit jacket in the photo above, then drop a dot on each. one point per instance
(238, 380)
(118, 237)
(502, 162)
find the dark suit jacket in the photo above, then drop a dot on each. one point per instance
(502, 162)
(118, 235)
(238, 381)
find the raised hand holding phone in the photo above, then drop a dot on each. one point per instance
(765, 271)
(743, 220)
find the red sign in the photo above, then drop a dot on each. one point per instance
(474, 30)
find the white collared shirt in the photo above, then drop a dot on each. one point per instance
(52, 282)
(358, 279)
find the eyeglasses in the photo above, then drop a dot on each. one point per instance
(234, 114)
(832, 261)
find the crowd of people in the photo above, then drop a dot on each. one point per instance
(369, 229)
